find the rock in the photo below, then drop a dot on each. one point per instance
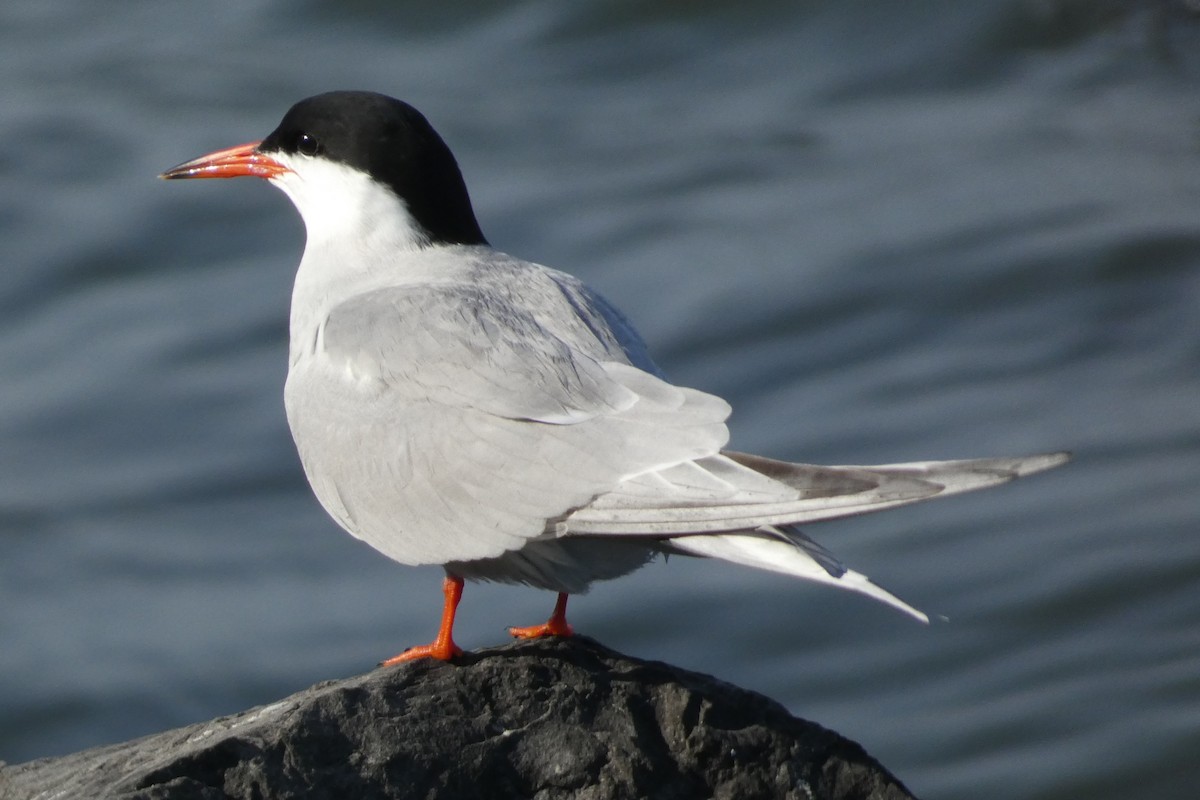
(548, 718)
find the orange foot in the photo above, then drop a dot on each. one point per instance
(557, 625)
(439, 650)
(443, 647)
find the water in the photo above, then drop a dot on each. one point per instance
(883, 231)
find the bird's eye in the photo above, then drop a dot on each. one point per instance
(307, 145)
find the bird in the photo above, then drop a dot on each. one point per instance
(455, 405)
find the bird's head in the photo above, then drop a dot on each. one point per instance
(354, 161)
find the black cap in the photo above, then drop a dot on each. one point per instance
(394, 144)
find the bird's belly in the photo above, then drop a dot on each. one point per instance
(561, 565)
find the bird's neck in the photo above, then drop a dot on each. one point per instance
(360, 235)
(333, 270)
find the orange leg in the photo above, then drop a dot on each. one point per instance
(443, 647)
(555, 626)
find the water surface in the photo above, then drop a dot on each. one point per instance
(883, 231)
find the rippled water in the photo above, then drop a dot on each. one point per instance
(884, 231)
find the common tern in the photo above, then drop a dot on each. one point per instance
(455, 405)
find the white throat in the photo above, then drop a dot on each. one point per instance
(358, 234)
(345, 208)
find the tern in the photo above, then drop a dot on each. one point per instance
(455, 405)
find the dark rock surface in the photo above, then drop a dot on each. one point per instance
(541, 719)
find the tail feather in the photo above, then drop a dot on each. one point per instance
(779, 553)
(748, 523)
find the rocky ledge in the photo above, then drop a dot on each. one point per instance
(551, 718)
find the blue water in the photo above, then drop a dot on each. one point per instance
(884, 231)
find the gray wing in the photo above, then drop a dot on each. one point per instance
(754, 528)
(645, 506)
(451, 423)
(443, 423)
(463, 347)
